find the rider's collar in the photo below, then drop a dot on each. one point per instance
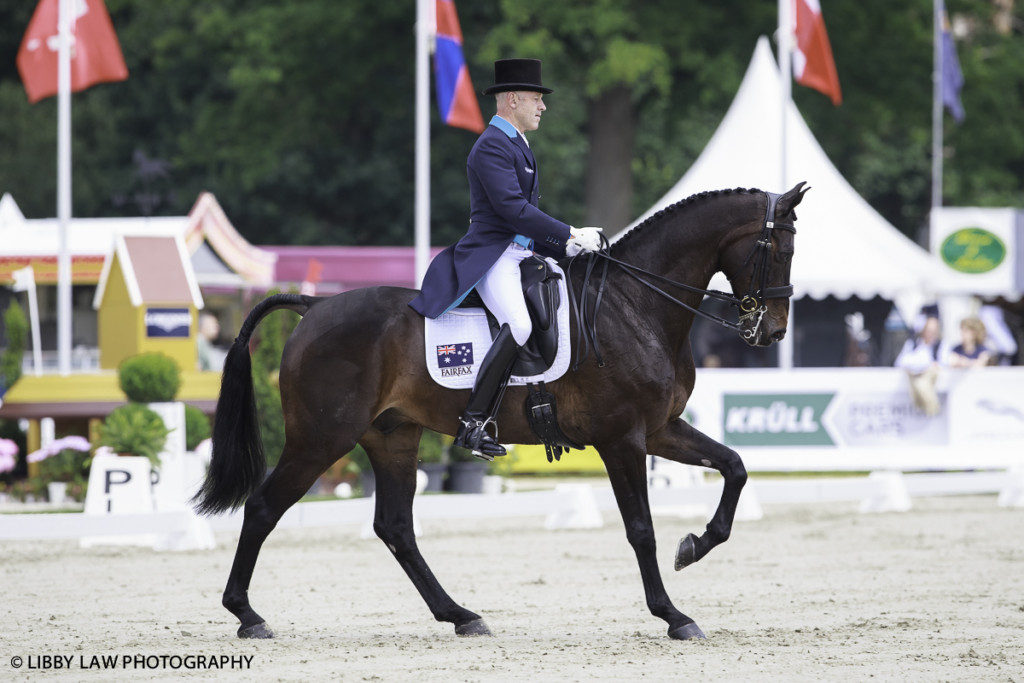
(505, 127)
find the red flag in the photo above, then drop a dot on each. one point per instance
(314, 271)
(813, 64)
(95, 53)
(455, 96)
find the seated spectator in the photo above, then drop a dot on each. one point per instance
(999, 339)
(921, 357)
(971, 351)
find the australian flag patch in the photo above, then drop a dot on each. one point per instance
(455, 359)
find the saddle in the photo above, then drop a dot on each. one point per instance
(540, 289)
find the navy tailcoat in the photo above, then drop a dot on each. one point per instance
(503, 193)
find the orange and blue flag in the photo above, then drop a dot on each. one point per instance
(455, 96)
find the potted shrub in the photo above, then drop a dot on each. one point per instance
(466, 471)
(149, 378)
(197, 427)
(134, 429)
(431, 455)
(62, 463)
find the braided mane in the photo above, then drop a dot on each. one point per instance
(658, 216)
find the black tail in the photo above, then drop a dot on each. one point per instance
(238, 465)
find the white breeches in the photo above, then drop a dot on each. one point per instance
(502, 292)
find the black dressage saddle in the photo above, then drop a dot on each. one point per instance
(540, 288)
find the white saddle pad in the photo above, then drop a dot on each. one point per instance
(457, 341)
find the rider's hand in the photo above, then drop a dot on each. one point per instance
(583, 239)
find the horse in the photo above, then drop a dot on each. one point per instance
(353, 372)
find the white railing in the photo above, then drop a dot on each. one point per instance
(83, 359)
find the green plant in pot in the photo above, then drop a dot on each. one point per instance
(63, 463)
(431, 454)
(197, 427)
(134, 429)
(149, 378)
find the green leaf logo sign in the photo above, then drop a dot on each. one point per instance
(973, 250)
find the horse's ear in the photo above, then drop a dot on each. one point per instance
(788, 201)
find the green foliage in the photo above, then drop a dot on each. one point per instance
(358, 461)
(16, 333)
(433, 446)
(247, 100)
(69, 465)
(456, 454)
(135, 429)
(149, 378)
(197, 427)
(266, 363)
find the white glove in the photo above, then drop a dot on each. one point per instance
(583, 239)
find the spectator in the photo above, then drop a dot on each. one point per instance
(921, 357)
(971, 351)
(209, 356)
(999, 340)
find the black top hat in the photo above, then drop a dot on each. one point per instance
(516, 74)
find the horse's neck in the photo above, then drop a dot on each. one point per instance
(683, 246)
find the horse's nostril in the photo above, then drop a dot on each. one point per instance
(779, 334)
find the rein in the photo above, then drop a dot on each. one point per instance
(750, 305)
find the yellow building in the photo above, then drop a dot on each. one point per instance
(147, 300)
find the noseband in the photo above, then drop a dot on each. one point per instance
(752, 305)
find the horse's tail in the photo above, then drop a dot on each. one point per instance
(238, 465)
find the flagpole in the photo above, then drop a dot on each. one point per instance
(424, 29)
(936, 112)
(786, 70)
(63, 186)
(786, 79)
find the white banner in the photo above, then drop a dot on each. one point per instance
(861, 418)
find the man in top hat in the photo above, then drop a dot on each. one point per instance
(505, 227)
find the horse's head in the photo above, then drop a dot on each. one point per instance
(757, 261)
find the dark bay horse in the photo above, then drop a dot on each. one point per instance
(353, 371)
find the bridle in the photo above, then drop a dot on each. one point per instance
(751, 306)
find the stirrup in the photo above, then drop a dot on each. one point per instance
(474, 437)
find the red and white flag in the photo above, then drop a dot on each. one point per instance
(314, 271)
(813, 64)
(95, 52)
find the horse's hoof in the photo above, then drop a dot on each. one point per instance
(689, 632)
(477, 627)
(260, 630)
(686, 553)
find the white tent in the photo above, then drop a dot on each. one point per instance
(843, 246)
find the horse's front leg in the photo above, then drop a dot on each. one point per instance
(626, 462)
(393, 457)
(680, 442)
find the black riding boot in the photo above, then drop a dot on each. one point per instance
(491, 380)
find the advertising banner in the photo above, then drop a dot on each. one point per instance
(863, 418)
(168, 322)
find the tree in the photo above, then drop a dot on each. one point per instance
(16, 332)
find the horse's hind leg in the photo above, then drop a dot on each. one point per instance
(283, 488)
(680, 442)
(626, 462)
(393, 456)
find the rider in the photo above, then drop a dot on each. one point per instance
(505, 227)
